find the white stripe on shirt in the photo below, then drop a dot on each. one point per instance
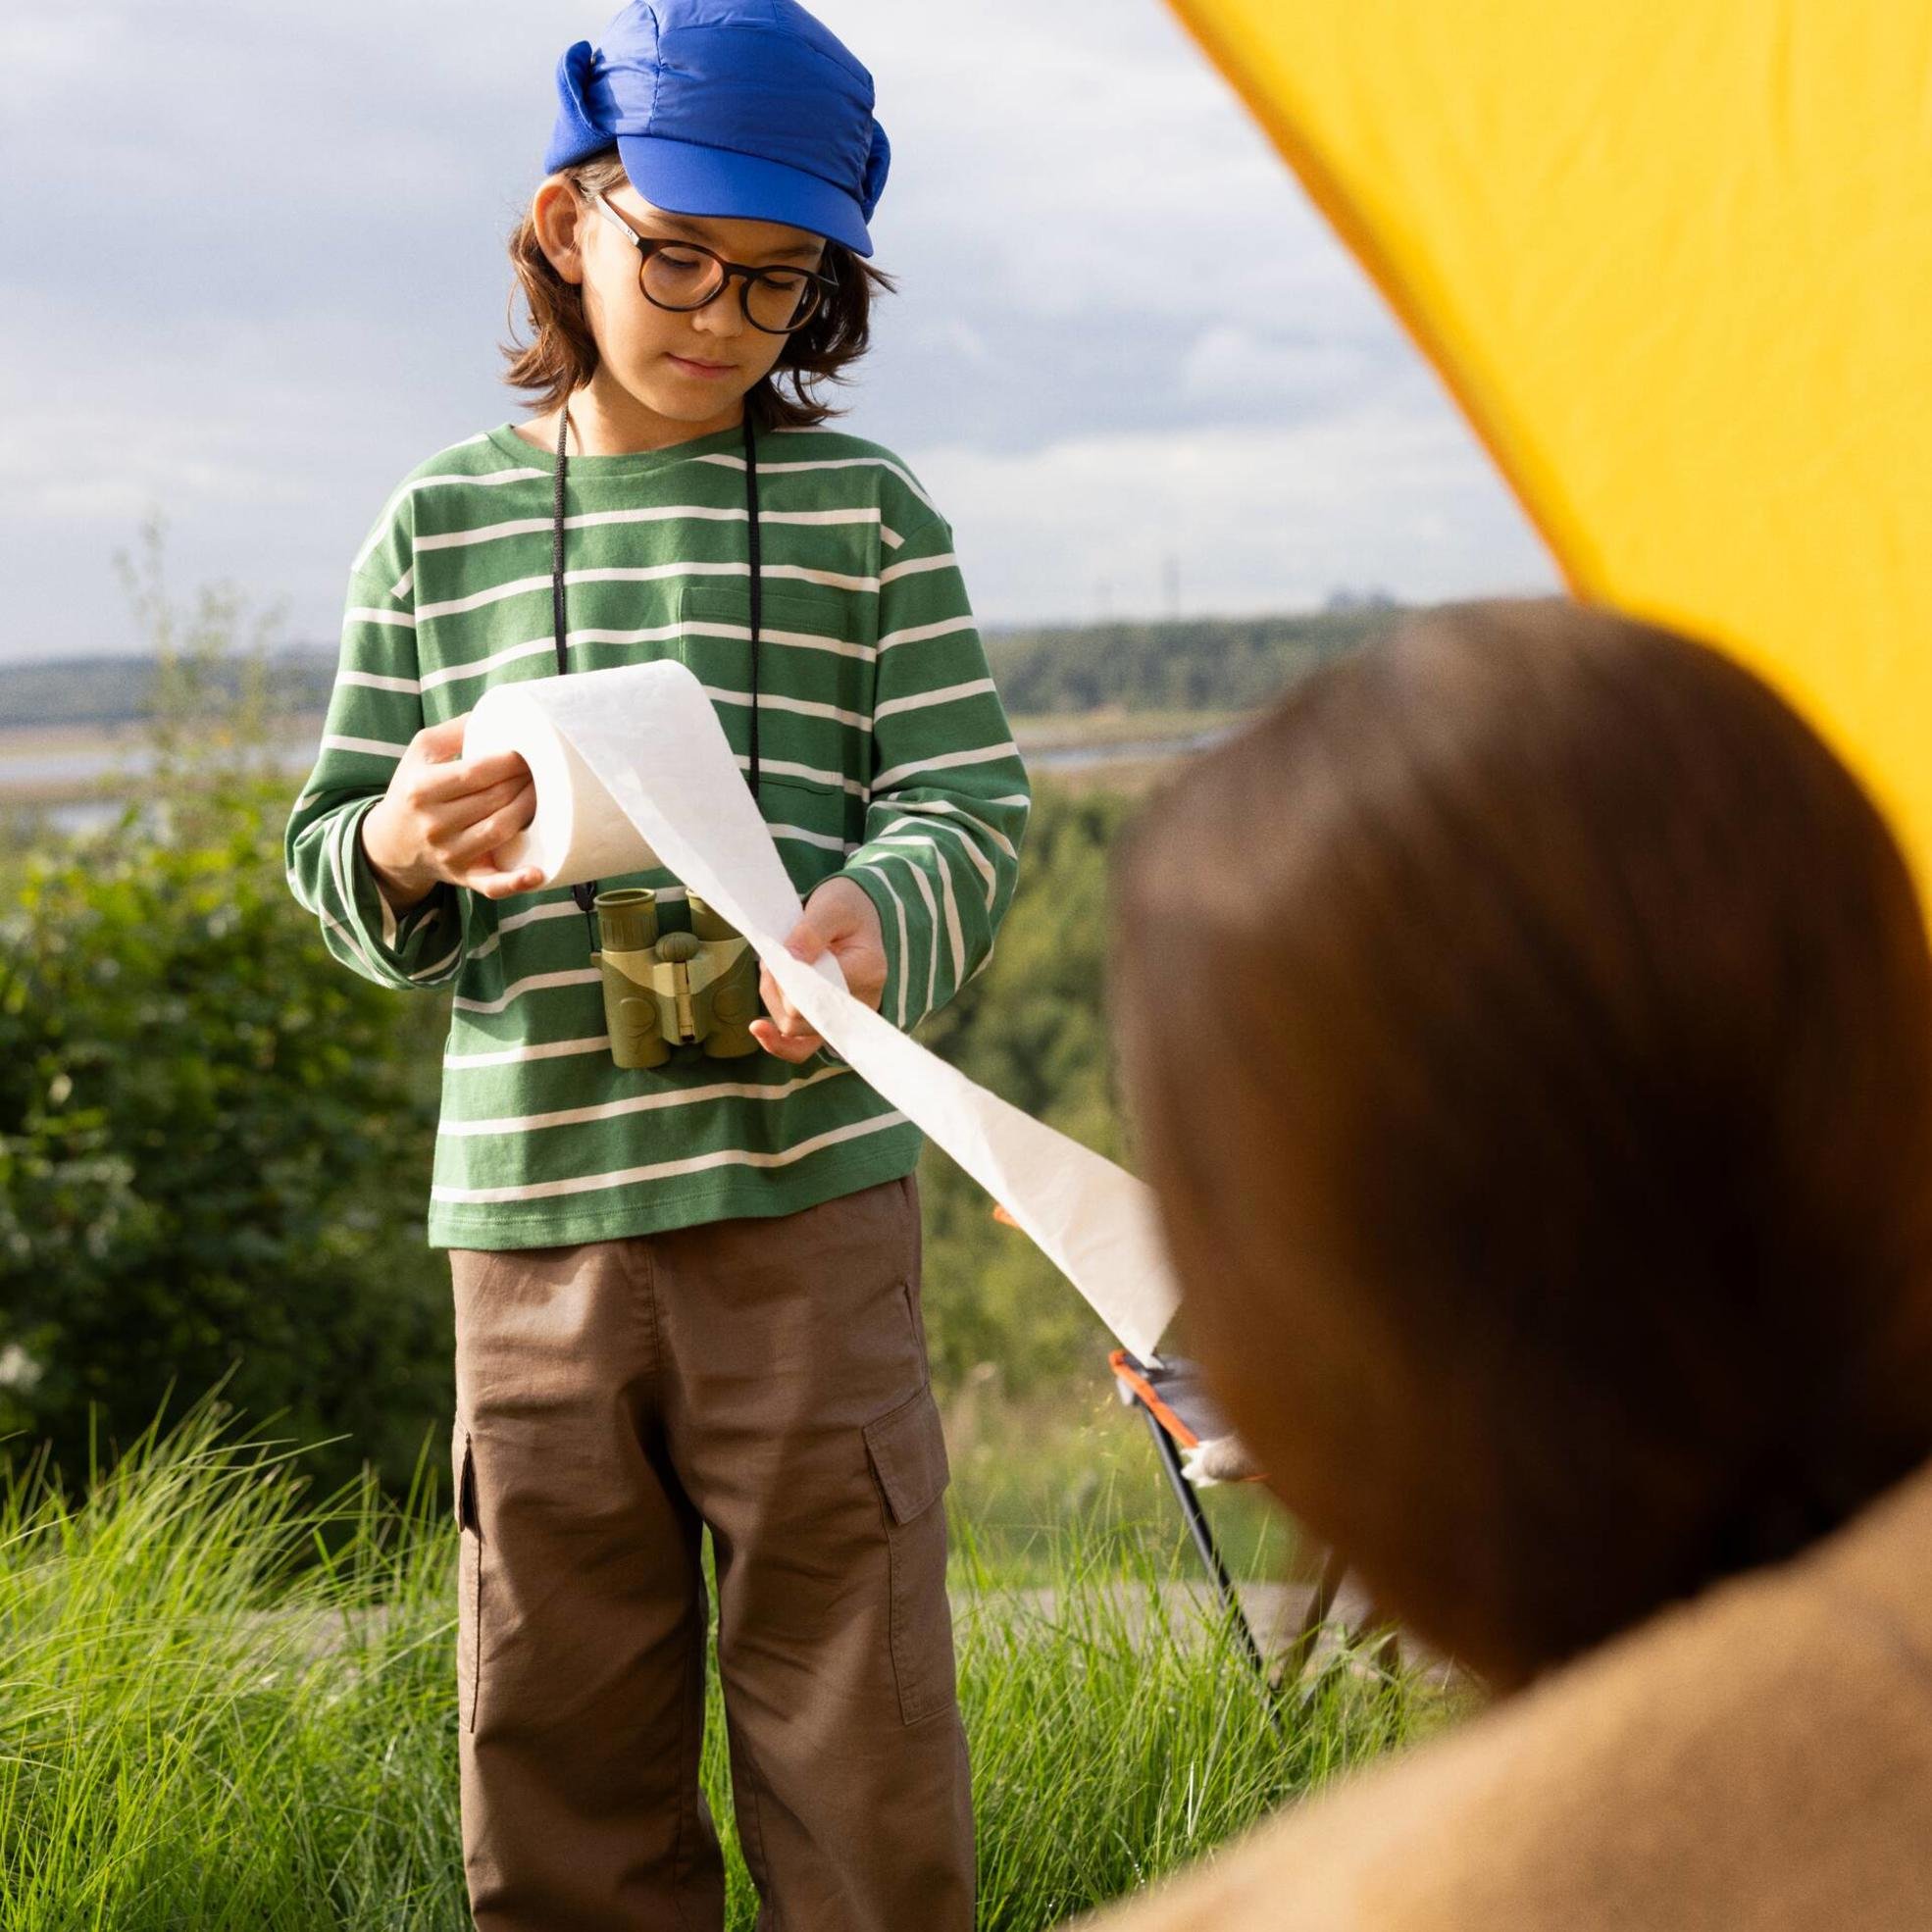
(682, 1096)
(662, 1170)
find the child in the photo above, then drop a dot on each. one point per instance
(686, 1296)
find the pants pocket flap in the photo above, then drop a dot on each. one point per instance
(907, 1447)
(464, 1466)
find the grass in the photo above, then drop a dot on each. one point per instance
(1045, 1482)
(225, 1707)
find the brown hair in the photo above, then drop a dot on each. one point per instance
(563, 354)
(1528, 1028)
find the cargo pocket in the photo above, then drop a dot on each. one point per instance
(469, 1575)
(906, 1448)
(916, 1328)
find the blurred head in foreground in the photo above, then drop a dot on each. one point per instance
(1528, 1024)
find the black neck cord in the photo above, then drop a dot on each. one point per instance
(757, 574)
(586, 894)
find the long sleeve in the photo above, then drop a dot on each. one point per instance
(950, 795)
(374, 711)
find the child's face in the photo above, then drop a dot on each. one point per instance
(661, 356)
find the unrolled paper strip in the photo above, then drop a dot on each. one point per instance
(633, 771)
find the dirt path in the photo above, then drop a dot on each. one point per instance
(1189, 1612)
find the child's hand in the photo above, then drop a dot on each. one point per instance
(443, 818)
(841, 917)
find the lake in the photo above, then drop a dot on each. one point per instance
(35, 769)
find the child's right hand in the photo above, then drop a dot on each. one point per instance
(443, 818)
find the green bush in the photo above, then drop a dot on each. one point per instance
(214, 1152)
(215, 1142)
(1033, 1027)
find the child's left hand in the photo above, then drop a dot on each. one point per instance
(841, 917)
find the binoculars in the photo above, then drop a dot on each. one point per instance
(695, 989)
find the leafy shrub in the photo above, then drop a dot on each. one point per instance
(214, 1151)
(1033, 1027)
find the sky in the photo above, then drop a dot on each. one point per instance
(254, 272)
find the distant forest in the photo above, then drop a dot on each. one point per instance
(1201, 664)
(1208, 664)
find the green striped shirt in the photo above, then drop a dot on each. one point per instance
(885, 755)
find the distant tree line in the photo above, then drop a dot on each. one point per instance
(1202, 664)
(1215, 664)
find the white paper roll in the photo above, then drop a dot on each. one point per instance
(632, 770)
(577, 833)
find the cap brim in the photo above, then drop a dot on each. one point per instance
(684, 178)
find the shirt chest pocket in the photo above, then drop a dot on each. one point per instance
(814, 711)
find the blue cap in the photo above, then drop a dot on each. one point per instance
(748, 107)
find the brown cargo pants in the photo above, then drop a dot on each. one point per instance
(767, 1377)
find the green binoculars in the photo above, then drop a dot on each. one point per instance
(679, 989)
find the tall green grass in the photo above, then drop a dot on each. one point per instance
(223, 1705)
(1067, 1477)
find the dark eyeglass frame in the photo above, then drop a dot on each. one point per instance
(825, 286)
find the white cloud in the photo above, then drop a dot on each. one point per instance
(1236, 361)
(270, 278)
(1256, 519)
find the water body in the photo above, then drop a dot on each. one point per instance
(82, 765)
(77, 766)
(1084, 757)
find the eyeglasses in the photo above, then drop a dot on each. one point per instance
(685, 274)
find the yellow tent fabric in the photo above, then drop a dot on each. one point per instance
(1675, 259)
